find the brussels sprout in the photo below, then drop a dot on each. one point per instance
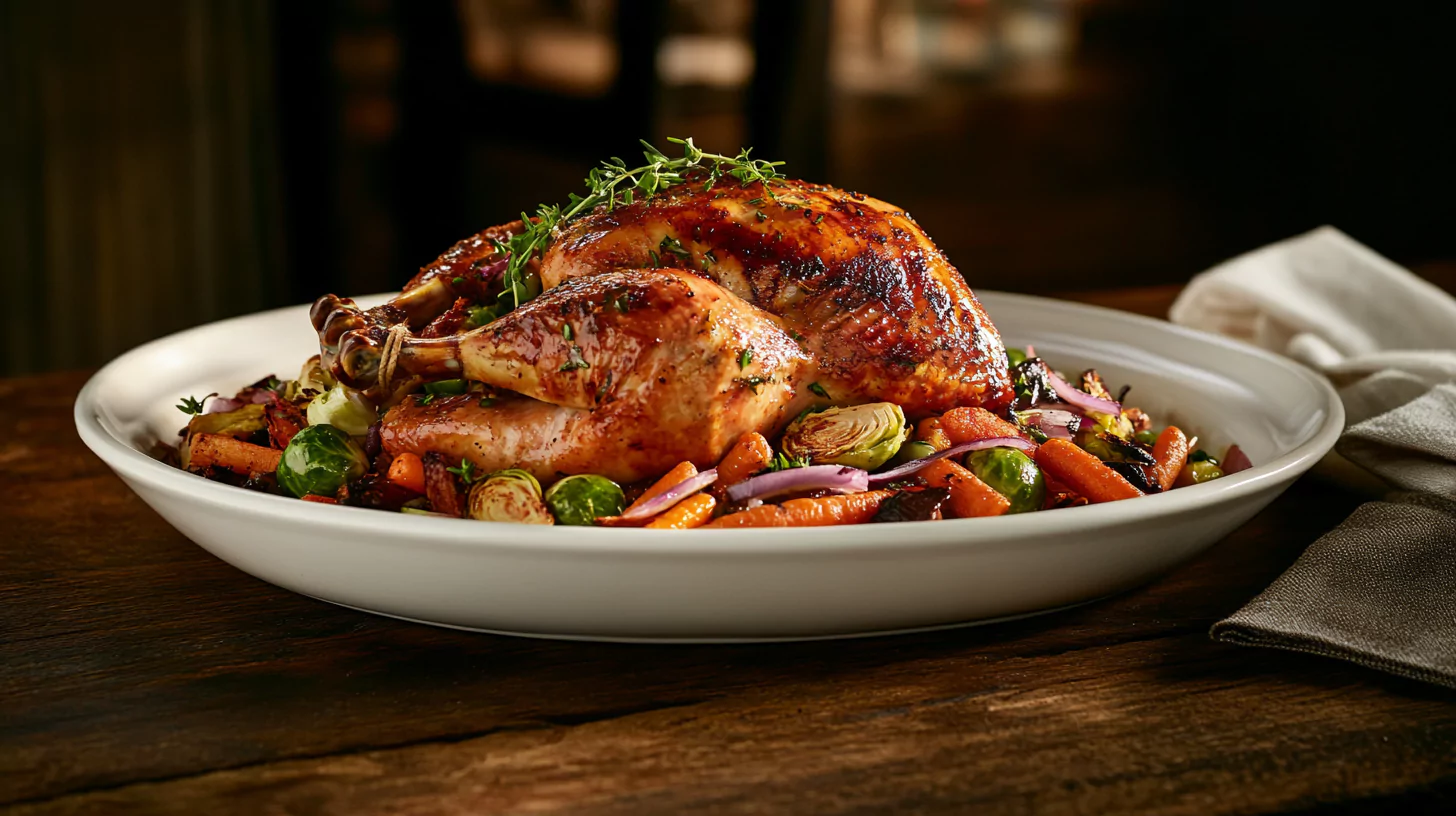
(313, 375)
(862, 436)
(580, 500)
(1014, 357)
(1198, 472)
(1112, 448)
(1148, 437)
(509, 495)
(1011, 473)
(910, 451)
(345, 409)
(320, 460)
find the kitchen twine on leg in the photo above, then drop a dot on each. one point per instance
(393, 342)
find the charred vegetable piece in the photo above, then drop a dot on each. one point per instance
(1011, 473)
(1029, 381)
(911, 451)
(913, 505)
(319, 460)
(1136, 475)
(580, 500)
(1112, 448)
(345, 409)
(239, 424)
(863, 436)
(509, 495)
(314, 376)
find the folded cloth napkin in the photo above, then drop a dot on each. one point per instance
(1380, 589)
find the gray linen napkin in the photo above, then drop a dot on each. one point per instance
(1380, 589)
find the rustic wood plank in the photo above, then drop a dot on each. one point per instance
(139, 673)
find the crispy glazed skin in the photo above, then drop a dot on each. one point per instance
(881, 310)
(653, 373)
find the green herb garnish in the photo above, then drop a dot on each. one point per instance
(818, 389)
(466, 471)
(745, 358)
(191, 406)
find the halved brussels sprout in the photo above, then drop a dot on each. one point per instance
(910, 451)
(345, 409)
(863, 436)
(581, 500)
(319, 460)
(509, 495)
(313, 375)
(1111, 447)
(1011, 473)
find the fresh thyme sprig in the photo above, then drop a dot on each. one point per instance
(614, 184)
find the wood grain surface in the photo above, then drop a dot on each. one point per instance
(140, 674)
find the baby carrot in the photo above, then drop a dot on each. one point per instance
(673, 478)
(969, 496)
(971, 424)
(244, 458)
(408, 472)
(930, 432)
(686, 514)
(855, 508)
(750, 455)
(1083, 472)
(1171, 451)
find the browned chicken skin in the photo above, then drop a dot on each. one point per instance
(662, 298)
(654, 372)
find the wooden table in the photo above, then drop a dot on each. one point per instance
(138, 673)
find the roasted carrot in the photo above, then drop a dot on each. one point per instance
(216, 450)
(1083, 472)
(1171, 451)
(969, 496)
(931, 433)
(309, 497)
(691, 512)
(408, 471)
(971, 424)
(855, 508)
(674, 477)
(750, 455)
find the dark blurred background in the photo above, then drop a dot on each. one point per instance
(170, 163)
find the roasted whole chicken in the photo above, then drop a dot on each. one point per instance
(670, 326)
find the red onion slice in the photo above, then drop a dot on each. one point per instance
(909, 468)
(671, 496)
(815, 477)
(1075, 396)
(1235, 460)
(1056, 424)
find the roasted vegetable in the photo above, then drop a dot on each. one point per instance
(580, 500)
(314, 376)
(1148, 438)
(239, 424)
(913, 505)
(509, 495)
(1030, 383)
(320, 460)
(910, 451)
(1198, 472)
(1014, 357)
(1011, 473)
(863, 436)
(1110, 447)
(345, 409)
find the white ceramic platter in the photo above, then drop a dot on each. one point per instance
(731, 585)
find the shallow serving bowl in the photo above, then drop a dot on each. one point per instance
(715, 585)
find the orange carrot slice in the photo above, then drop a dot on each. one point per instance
(969, 496)
(932, 433)
(855, 508)
(245, 458)
(408, 471)
(970, 424)
(673, 478)
(1083, 472)
(750, 455)
(1171, 451)
(691, 512)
